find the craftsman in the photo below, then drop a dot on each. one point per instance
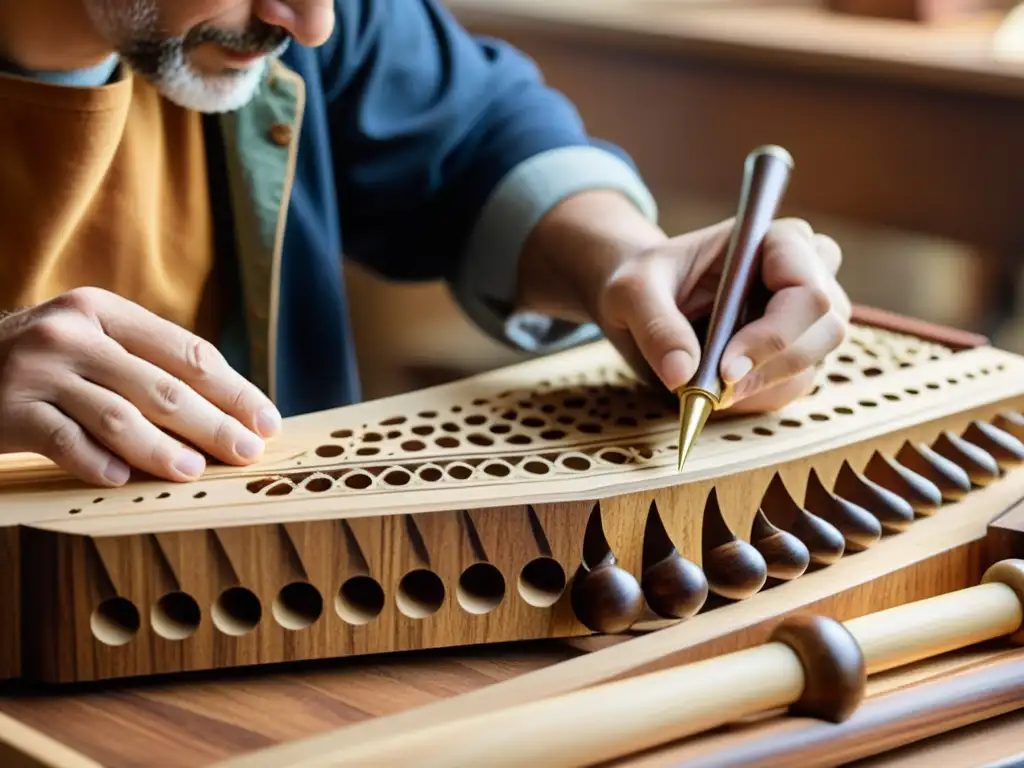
(181, 177)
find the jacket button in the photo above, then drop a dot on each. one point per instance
(281, 133)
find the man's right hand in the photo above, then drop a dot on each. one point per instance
(97, 384)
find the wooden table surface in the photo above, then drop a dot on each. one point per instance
(892, 124)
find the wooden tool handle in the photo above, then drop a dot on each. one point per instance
(765, 178)
(814, 665)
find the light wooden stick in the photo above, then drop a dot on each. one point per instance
(814, 666)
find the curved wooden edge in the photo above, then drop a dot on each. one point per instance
(940, 334)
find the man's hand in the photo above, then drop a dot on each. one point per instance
(98, 384)
(595, 257)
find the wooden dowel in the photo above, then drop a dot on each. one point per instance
(814, 666)
(884, 723)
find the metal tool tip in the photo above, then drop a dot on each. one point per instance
(694, 409)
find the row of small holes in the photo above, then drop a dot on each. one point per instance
(238, 611)
(842, 410)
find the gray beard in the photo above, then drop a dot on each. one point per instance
(163, 61)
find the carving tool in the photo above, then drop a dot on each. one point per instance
(766, 174)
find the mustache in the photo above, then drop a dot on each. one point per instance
(259, 38)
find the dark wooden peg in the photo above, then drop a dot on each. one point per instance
(607, 599)
(834, 668)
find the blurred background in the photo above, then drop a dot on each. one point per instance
(905, 117)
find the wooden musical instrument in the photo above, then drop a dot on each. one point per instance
(532, 502)
(535, 502)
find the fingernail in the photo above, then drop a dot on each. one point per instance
(676, 368)
(249, 446)
(268, 422)
(117, 472)
(190, 464)
(736, 369)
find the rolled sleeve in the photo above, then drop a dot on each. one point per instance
(486, 283)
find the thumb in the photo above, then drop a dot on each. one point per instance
(642, 303)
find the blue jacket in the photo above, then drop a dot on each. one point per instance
(412, 148)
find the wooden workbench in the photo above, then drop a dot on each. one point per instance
(893, 125)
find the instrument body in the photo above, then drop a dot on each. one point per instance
(539, 501)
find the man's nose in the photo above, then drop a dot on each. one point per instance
(310, 22)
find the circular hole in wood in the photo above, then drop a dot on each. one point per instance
(341, 433)
(566, 420)
(360, 600)
(872, 372)
(413, 445)
(447, 442)
(372, 437)
(427, 414)
(549, 408)
(450, 426)
(298, 605)
(763, 431)
(497, 469)
(396, 477)
(589, 427)
(577, 463)
(319, 484)
(115, 621)
(574, 402)
(430, 474)
(615, 456)
(237, 611)
(393, 421)
(74, 511)
(732, 438)
(891, 396)
(476, 419)
(846, 359)
(535, 467)
(481, 588)
(500, 429)
(394, 434)
(553, 434)
(420, 594)
(868, 403)
(912, 391)
(838, 378)
(533, 422)
(199, 495)
(478, 439)
(953, 380)
(358, 481)
(518, 439)
(460, 472)
(790, 423)
(164, 495)
(932, 385)
(175, 616)
(819, 417)
(423, 430)
(368, 451)
(843, 410)
(329, 451)
(281, 488)
(541, 582)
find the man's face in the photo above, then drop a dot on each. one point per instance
(207, 55)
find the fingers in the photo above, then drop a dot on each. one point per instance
(48, 432)
(119, 426)
(168, 402)
(183, 355)
(805, 319)
(797, 359)
(641, 301)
